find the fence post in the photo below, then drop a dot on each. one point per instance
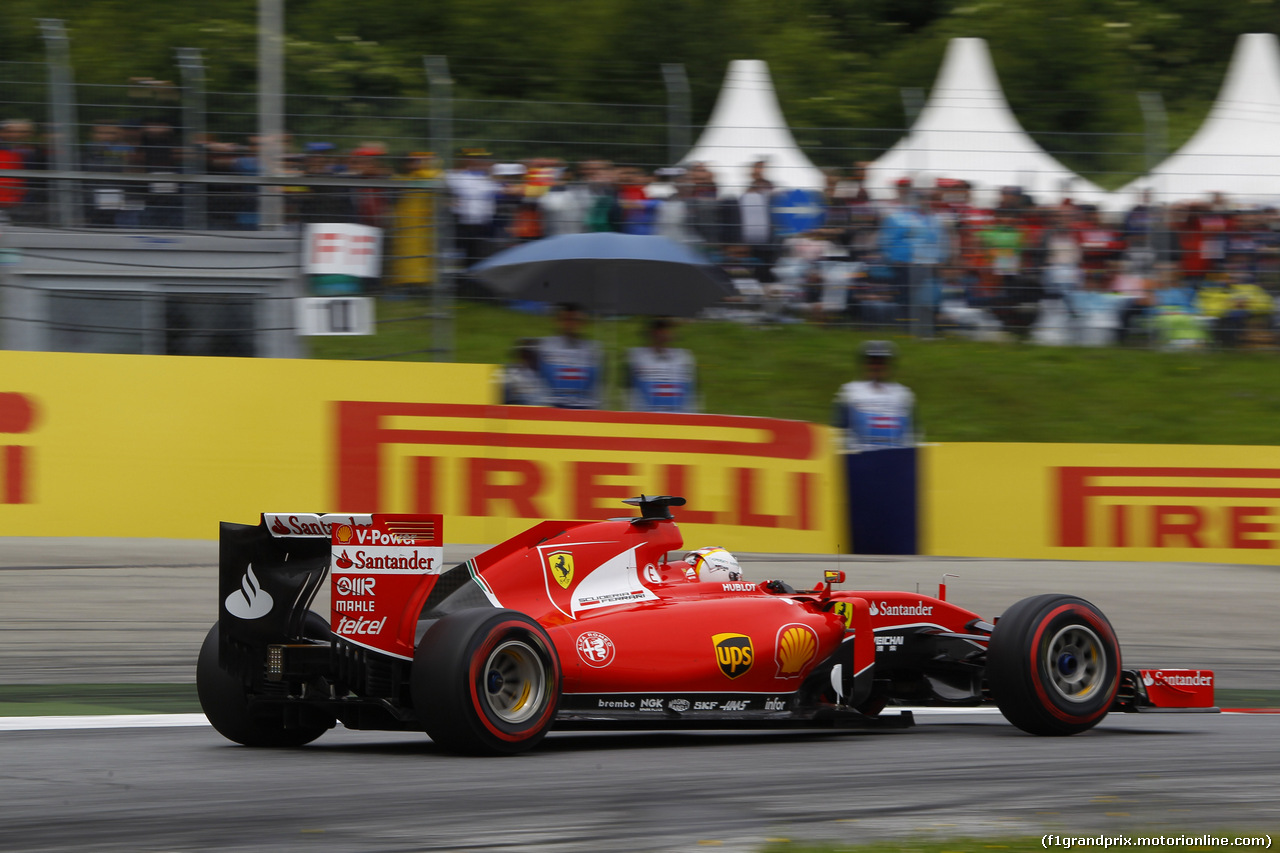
(1155, 130)
(440, 93)
(62, 117)
(270, 110)
(678, 121)
(195, 198)
(1155, 127)
(912, 105)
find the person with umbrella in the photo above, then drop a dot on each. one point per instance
(572, 366)
(608, 273)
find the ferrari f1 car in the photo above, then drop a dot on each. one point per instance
(589, 625)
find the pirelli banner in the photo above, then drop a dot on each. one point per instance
(120, 445)
(1102, 502)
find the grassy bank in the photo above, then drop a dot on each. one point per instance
(37, 700)
(967, 391)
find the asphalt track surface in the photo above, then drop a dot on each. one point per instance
(151, 791)
(106, 610)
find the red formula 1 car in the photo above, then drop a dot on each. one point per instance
(591, 625)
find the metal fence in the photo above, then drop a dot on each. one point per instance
(151, 156)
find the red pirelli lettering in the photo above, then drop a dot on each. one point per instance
(676, 482)
(15, 475)
(17, 415)
(1241, 525)
(595, 499)
(1173, 526)
(1180, 525)
(424, 489)
(746, 493)
(362, 432)
(524, 481)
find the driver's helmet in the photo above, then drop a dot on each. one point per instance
(714, 563)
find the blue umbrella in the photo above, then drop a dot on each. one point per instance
(609, 273)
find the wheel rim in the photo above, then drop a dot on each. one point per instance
(515, 682)
(1076, 662)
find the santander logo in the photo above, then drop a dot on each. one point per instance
(251, 601)
(1177, 680)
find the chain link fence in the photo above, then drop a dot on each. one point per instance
(451, 180)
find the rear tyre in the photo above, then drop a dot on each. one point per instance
(486, 682)
(225, 701)
(1053, 665)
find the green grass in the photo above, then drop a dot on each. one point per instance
(1245, 698)
(966, 391)
(38, 700)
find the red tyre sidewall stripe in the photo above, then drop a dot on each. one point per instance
(495, 635)
(1104, 631)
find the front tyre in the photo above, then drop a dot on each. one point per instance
(486, 682)
(1053, 665)
(225, 701)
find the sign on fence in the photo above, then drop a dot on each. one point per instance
(338, 248)
(335, 315)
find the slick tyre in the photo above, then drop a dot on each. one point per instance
(225, 701)
(486, 682)
(1053, 665)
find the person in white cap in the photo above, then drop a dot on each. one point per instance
(875, 412)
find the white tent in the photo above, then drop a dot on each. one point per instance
(747, 125)
(1237, 149)
(967, 131)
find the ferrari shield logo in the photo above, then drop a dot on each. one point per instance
(734, 653)
(561, 564)
(844, 610)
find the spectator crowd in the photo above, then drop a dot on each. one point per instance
(932, 259)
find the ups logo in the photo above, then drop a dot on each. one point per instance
(734, 653)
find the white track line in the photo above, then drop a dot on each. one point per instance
(170, 721)
(164, 721)
(113, 721)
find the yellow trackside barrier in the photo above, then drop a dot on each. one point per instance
(1103, 502)
(118, 445)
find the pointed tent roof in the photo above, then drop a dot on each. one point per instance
(967, 131)
(747, 125)
(1237, 149)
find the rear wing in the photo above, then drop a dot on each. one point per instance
(382, 566)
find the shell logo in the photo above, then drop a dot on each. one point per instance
(797, 647)
(343, 534)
